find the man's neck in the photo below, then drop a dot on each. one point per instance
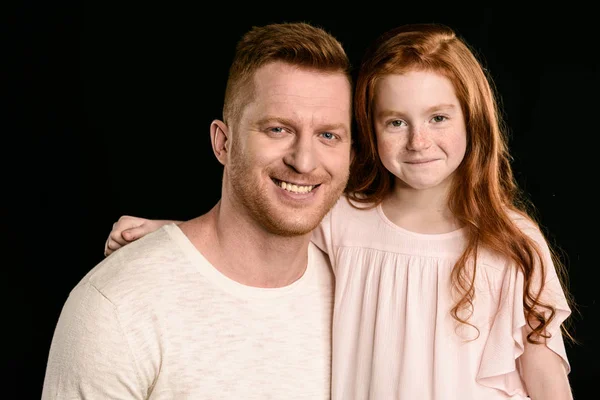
(245, 252)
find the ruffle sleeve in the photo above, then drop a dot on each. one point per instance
(508, 332)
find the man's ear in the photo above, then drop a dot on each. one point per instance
(219, 138)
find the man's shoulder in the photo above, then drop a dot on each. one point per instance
(147, 263)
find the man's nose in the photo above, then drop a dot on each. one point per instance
(302, 155)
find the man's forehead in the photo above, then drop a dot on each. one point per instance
(299, 95)
(302, 95)
(281, 76)
(285, 99)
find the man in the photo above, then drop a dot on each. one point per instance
(235, 303)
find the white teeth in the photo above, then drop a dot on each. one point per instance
(290, 187)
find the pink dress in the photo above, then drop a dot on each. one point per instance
(393, 334)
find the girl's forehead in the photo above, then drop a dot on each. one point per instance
(415, 86)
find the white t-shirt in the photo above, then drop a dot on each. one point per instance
(155, 320)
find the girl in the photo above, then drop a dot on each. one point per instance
(445, 286)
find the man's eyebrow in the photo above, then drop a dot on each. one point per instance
(271, 119)
(334, 127)
(287, 121)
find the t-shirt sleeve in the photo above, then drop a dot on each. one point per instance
(89, 355)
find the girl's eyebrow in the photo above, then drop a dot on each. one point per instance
(437, 107)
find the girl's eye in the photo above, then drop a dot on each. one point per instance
(396, 123)
(439, 118)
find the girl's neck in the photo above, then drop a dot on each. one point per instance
(420, 211)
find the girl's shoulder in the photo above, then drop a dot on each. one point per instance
(350, 205)
(527, 224)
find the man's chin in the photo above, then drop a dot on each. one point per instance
(295, 226)
(291, 230)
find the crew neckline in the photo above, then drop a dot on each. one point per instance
(228, 284)
(430, 236)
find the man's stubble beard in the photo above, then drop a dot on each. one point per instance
(255, 201)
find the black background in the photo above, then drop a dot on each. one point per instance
(108, 113)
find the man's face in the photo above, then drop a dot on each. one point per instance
(290, 152)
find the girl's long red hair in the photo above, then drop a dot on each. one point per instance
(484, 192)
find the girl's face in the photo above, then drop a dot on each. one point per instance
(420, 128)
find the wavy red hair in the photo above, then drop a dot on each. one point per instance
(484, 192)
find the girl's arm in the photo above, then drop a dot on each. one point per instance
(544, 373)
(128, 229)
